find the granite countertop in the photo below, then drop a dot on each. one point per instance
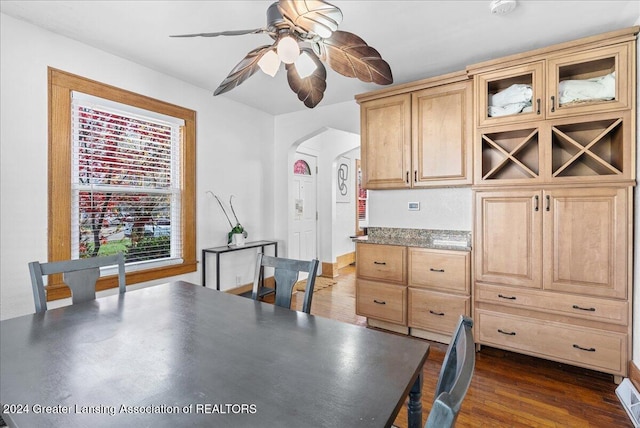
(425, 238)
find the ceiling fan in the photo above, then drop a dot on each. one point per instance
(305, 34)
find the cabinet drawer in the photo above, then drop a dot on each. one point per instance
(444, 270)
(590, 308)
(440, 312)
(386, 302)
(592, 348)
(381, 262)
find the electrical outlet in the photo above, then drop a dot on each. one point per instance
(238, 279)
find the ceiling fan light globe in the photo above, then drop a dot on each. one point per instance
(288, 49)
(305, 66)
(269, 63)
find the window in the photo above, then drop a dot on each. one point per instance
(122, 179)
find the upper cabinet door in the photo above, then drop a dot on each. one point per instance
(442, 135)
(385, 126)
(595, 80)
(510, 95)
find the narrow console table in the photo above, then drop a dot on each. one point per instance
(228, 249)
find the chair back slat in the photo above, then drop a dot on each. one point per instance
(286, 274)
(79, 275)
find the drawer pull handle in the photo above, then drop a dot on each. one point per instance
(379, 302)
(538, 103)
(440, 314)
(584, 349)
(508, 333)
(436, 270)
(507, 297)
(379, 263)
(553, 104)
(584, 309)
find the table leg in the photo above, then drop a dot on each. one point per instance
(218, 271)
(415, 404)
(204, 268)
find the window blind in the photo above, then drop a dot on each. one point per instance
(125, 182)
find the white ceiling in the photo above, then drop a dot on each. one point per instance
(418, 39)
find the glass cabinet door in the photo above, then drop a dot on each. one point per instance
(592, 81)
(510, 95)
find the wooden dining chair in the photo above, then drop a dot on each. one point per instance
(79, 275)
(455, 376)
(285, 274)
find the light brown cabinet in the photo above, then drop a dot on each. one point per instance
(439, 291)
(586, 76)
(381, 285)
(553, 205)
(596, 147)
(418, 135)
(579, 235)
(412, 290)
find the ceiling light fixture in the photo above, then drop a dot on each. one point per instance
(310, 27)
(270, 63)
(305, 66)
(502, 7)
(288, 49)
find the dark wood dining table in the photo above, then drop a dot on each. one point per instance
(179, 354)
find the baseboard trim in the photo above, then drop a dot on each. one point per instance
(346, 259)
(330, 270)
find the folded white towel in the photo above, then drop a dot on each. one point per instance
(597, 89)
(513, 108)
(516, 93)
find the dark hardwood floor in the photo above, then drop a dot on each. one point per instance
(508, 389)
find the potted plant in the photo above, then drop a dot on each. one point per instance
(237, 234)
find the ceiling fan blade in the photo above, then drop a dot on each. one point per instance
(311, 89)
(243, 70)
(350, 56)
(225, 33)
(311, 16)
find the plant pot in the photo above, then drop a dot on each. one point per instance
(237, 239)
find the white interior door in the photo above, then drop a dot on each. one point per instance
(303, 205)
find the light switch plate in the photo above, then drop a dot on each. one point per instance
(414, 206)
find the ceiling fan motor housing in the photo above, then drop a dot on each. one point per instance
(275, 21)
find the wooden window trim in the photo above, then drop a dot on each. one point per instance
(61, 84)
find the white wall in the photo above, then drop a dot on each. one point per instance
(446, 208)
(344, 225)
(291, 130)
(230, 155)
(328, 145)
